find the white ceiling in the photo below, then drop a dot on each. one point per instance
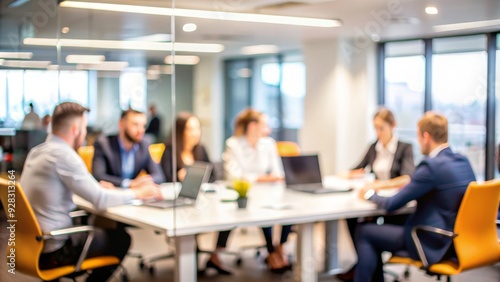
(388, 19)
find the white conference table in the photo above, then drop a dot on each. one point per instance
(268, 204)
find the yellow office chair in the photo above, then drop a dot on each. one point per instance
(30, 239)
(156, 151)
(287, 148)
(474, 237)
(87, 154)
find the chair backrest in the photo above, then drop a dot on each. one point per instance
(27, 247)
(87, 155)
(156, 151)
(477, 241)
(288, 148)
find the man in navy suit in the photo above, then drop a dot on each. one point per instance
(438, 185)
(119, 159)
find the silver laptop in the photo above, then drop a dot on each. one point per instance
(302, 173)
(196, 174)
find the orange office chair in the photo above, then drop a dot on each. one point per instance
(287, 148)
(87, 154)
(30, 239)
(474, 237)
(156, 151)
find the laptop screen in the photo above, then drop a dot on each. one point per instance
(196, 175)
(301, 170)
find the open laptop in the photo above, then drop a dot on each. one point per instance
(196, 174)
(302, 173)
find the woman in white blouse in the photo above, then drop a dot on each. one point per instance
(250, 154)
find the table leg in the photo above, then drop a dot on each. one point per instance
(332, 265)
(306, 263)
(185, 259)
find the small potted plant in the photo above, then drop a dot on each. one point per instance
(241, 187)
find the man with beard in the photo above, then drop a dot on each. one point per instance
(119, 159)
(52, 173)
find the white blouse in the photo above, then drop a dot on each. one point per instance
(384, 159)
(241, 160)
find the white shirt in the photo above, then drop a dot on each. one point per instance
(241, 160)
(384, 159)
(52, 173)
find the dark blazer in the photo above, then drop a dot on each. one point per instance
(403, 159)
(199, 153)
(438, 185)
(107, 162)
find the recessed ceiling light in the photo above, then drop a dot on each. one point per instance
(16, 55)
(65, 29)
(182, 60)
(127, 45)
(189, 27)
(59, 67)
(466, 25)
(375, 37)
(431, 10)
(26, 64)
(259, 49)
(104, 66)
(157, 37)
(203, 14)
(85, 59)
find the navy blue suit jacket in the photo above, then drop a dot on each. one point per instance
(438, 185)
(107, 162)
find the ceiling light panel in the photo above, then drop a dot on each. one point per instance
(203, 14)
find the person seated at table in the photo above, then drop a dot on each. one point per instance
(391, 160)
(438, 186)
(187, 145)
(253, 156)
(52, 173)
(121, 158)
(188, 150)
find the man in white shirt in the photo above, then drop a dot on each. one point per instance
(52, 173)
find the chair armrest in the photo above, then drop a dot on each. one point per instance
(418, 245)
(69, 231)
(78, 213)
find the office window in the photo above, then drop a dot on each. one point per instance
(274, 85)
(74, 86)
(293, 89)
(41, 88)
(18, 88)
(238, 82)
(3, 97)
(265, 90)
(15, 93)
(459, 92)
(133, 91)
(404, 86)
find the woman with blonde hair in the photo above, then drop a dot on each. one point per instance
(250, 154)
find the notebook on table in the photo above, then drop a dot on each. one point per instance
(196, 175)
(302, 173)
